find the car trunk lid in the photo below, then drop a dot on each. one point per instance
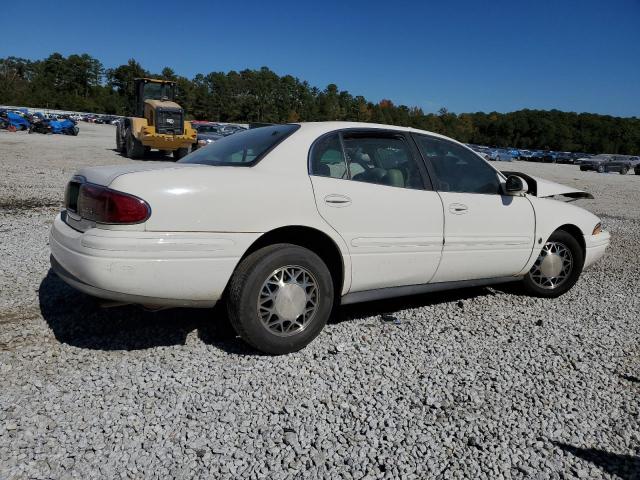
(106, 174)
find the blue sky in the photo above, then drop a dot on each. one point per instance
(463, 55)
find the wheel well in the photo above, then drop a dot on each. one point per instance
(576, 233)
(315, 240)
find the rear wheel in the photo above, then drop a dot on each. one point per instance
(280, 298)
(180, 152)
(624, 170)
(600, 168)
(557, 267)
(583, 169)
(134, 149)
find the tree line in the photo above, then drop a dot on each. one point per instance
(82, 83)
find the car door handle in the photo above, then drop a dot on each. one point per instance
(458, 208)
(335, 200)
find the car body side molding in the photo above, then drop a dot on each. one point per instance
(406, 290)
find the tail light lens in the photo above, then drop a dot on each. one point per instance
(103, 205)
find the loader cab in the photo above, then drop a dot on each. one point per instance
(152, 89)
(155, 102)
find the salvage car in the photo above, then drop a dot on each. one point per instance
(621, 164)
(284, 222)
(501, 155)
(206, 133)
(597, 162)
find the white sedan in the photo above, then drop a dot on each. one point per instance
(284, 222)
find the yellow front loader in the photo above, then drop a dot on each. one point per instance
(158, 122)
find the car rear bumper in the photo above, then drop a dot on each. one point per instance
(154, 268)
(595, 247)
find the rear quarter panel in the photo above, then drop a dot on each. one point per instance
(276, 192)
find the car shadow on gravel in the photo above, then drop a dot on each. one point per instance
(626, 467)
(78, 320)
(392, 305)
(153, 155)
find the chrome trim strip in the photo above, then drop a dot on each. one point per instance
(403, 291)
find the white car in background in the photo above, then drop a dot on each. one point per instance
(283, 222)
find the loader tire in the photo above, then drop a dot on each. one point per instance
(134, 149)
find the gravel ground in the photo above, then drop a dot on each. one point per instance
(477, 383)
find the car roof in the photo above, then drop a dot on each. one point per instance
(320, 128)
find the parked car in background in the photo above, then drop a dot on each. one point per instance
(549, 156)
(501, 155)
(622, 164)
(480, 150)
(597, 162)
(14, 121)
(525, 155)
(206, 133)
(536, 156)
(564, 157)
(227, 130)
(577, 156)
(285, 220)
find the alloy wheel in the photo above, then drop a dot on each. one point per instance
(553, 266)
(288, 300)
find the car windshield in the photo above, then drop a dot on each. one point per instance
(243, 148)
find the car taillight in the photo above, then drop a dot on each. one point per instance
(103, 205)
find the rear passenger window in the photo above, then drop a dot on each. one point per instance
(327, 159)
(384, 159)
(457, 169)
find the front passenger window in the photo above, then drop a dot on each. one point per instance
(458, 169)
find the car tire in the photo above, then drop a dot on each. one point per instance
(601, 169)
(257, 311)
(636, 170)
(120, 147)
(583, 169)
(561, 256)
(180, 152)
(624, 170)
(134, 149)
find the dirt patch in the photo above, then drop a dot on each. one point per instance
(19, 204)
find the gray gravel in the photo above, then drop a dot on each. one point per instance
(479, 383)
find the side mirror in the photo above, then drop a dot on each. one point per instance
(515, 186)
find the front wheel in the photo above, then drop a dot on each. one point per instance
(120, 144)
(134, 149)
(624, 170)
(279, 298)
(600, 168)
(557, 267)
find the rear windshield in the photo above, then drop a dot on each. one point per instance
(244, 148)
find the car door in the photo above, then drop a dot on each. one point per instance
(372, 188)
(486, 234)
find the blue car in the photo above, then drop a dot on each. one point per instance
(501, 155)
(13, 121)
